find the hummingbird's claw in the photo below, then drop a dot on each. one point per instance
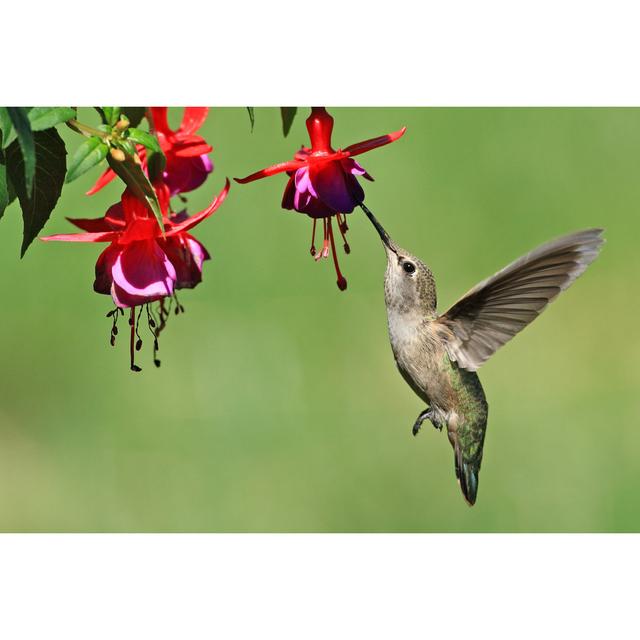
(424, 415)
(427, 414)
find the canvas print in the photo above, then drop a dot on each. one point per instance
(318, 319)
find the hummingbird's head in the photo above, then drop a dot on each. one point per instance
(409, 284)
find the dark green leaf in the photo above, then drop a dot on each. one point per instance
(87, 155)
(4, 187)
(287, 114)
(5, 127)
(46, 117)
(146, 139)
(37, 206)
(156, 162)
(127, 146)
(10, 187)
(135, 114)
(20, 122)
(252, 117)
(133, 176)
(110, 115)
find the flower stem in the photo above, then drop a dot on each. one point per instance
(85, 129)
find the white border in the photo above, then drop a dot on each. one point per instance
(317, 586)
(400, 52)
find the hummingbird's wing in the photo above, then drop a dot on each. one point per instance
(497, 308)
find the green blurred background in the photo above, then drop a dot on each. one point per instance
(278, 406)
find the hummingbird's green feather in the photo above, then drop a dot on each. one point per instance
(467, 428)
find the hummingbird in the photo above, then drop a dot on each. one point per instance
(438, 355)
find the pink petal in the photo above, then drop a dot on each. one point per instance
(303, 182)
(141, 273)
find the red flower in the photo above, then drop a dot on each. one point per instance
(185, 253)
(188, 164)
(140, 265)
(323, 182)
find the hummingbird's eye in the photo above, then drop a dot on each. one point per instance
(409, 267)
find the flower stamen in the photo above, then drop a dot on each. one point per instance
(343, 228)
(139, 339)
(151, 322)
(179, 307)
(313, 238)
(114, 314)
(341, 282)
(132, 324)
(324, 252)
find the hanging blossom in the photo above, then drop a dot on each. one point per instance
(188, 162)
(143, 265)
(323, 183)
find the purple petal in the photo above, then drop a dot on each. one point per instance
(187, 174)
(334, 189)
(199, 253)
(187, 256)
(104, 264)
(288, 195)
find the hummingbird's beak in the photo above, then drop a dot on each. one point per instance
(384, 236)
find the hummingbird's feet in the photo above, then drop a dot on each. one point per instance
(427, 414)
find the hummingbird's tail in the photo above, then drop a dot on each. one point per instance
(467, 474)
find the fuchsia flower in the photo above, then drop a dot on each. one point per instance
(188, 163)
(323, 182)
(141, 265)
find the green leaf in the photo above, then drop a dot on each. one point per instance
(127, 146)
(252, 117)
(4, 187)
(156, 162)
(135, 114)
(146, 139)
(91, 152)
(50, 154)
(5, 127)
(110, 115)
(46, 117)
(133, 176)
(21, 124)
(10, 188)
(287, 114)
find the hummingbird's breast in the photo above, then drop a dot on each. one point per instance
(419, 348)
(418, 351)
